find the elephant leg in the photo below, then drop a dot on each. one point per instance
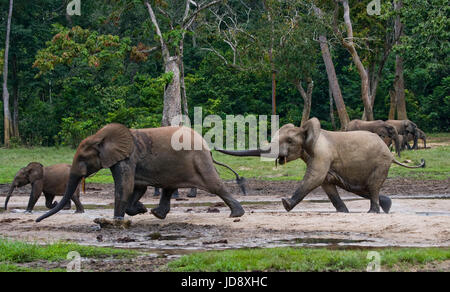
(76, 200)
(192, 193)
(68, 206)
(157, 192)
(36, 191)
(235, 206)
(49, 201)
(164, 204)
(316, 172)
(135, 206)
(374, 201)
(334, 197)
(123, 174)
(385, 203)
(176, 194)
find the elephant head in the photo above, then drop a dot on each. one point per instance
(289, 143)
(29, 174)
(111, 144)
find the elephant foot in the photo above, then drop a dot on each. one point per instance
(28, 212)
(374, 211)
(79, 212)
(342, 209)
(192, 193)
(237, 212)
(137, 209)
(385, 203)
(287, 204)
(160, 212)
(176, 195)
(118, 218)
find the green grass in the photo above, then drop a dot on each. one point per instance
(16, 252)
(304, 259)
(437, 159)
(437, 164)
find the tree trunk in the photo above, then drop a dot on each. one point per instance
(172, 93)
(15, 98)
(333, 82)
(393, 105)
(7, 113)
(307, 97)
(399, 82)
(350, 46)
(333, 122)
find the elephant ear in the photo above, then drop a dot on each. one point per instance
(35, 171)
(311, 132)
(114, 143)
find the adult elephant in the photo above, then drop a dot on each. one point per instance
(406, 128)
(147, 157)
(356, 161)
(386, 131)
(50, 180)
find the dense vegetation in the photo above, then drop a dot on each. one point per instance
(73, 74)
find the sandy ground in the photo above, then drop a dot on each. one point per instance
(420, 216)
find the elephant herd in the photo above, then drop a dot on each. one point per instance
(356, 160)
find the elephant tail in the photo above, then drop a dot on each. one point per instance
(421, 165)
(241, 181)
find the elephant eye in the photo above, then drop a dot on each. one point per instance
(289, 140)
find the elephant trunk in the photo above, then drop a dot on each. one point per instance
(72, 185)
(257, 152)
(398, 147)
(11, 190)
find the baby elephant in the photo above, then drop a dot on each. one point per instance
(52, 180)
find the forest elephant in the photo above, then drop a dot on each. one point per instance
(146, 157)
(386, 131)
(356, 161)
(50, 180)
(406, 128)
(420, 136)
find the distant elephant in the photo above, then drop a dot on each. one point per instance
(386, 131)
(51, 180)
(146, 157)
(405, 128)
(356, 161)
(420, 135)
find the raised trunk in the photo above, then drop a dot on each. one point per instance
(172, 93)
(74, 181)
(6, 112)
(333, 82)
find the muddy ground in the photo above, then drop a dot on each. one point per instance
(420, 216)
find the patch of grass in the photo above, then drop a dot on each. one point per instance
(12, 251)
(437, 159)
(303, 259)
(437, 164)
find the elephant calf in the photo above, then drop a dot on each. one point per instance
(356, 161)
(51, 180)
